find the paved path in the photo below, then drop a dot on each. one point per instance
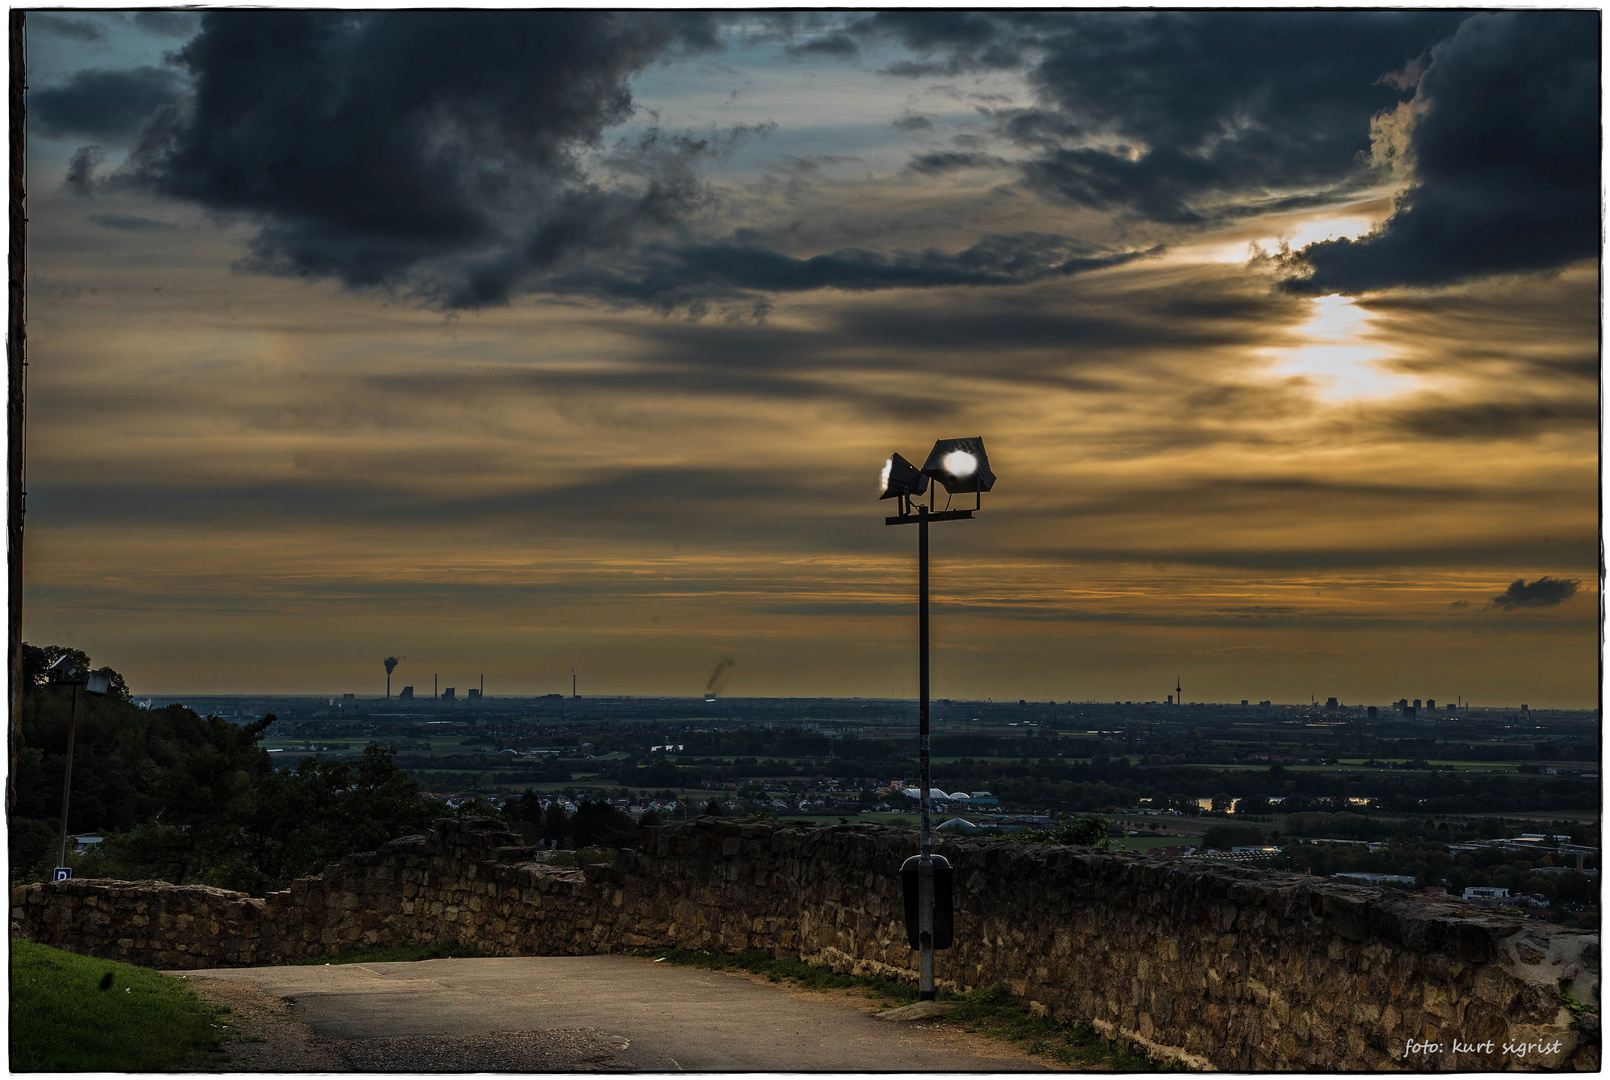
(596, 1013)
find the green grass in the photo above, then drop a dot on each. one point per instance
(62, 1021)
(390, 954)
(993, 1011)
(990, 1011)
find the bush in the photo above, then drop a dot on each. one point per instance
(1090, 830)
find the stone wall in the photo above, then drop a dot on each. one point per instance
(1213, 966)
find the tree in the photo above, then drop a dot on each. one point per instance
(1089, 830)
(1222, 802)
(598, 824)
(555, 824)
(715, 808)
(292, 823)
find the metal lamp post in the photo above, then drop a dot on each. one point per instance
(962, 467)
(65, 673)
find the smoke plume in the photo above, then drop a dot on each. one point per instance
(718, 677)
(391, 663)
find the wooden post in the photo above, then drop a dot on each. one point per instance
(17, 367)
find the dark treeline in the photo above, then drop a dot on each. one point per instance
(595, 824)
(187, 798)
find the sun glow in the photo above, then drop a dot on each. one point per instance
(1341, 356)
(1346, 227)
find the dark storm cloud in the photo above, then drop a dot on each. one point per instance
(1505, 148)
(668, 276)
(85, 30)
(837, 45)
(1294, 495)
(938, 162)
(1488, 553)
(434, 154)
(725, 369)
(102, 104)
(1544, 592)
(1044, 336)
(912, 122)
(952, 42)
(175, 24)
(1488, 420)
(1181, 116)
(1173, 314)
(131, 223)
(80, 178)
(632, 504)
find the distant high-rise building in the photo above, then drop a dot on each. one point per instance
(448, 694)
(1263, 704)
(1371, 712)
(1330, 703)
(1243, 701)
(1171, 699)
(474, 693)
(1431, 704)
(1416, 704)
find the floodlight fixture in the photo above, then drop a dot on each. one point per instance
(64, 672)
(960, 465)
(901, 480)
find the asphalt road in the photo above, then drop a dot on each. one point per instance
(601, 1013)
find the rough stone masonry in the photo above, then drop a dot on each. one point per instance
(1211, 966)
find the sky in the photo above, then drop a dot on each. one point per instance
(513, 344)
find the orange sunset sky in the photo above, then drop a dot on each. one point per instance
(515, 342)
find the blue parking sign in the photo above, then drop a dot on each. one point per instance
(62, 873)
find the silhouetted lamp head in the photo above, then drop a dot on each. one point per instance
(960, 465)
(66, 673)
(901, 478)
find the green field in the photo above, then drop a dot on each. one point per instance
(1146, 843)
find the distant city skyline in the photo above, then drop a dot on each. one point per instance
(511, 343)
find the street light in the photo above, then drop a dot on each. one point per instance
(961, 466)
(64, 672)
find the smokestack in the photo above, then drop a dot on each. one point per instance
(435, 689)
(391, 663)
(483, 686)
